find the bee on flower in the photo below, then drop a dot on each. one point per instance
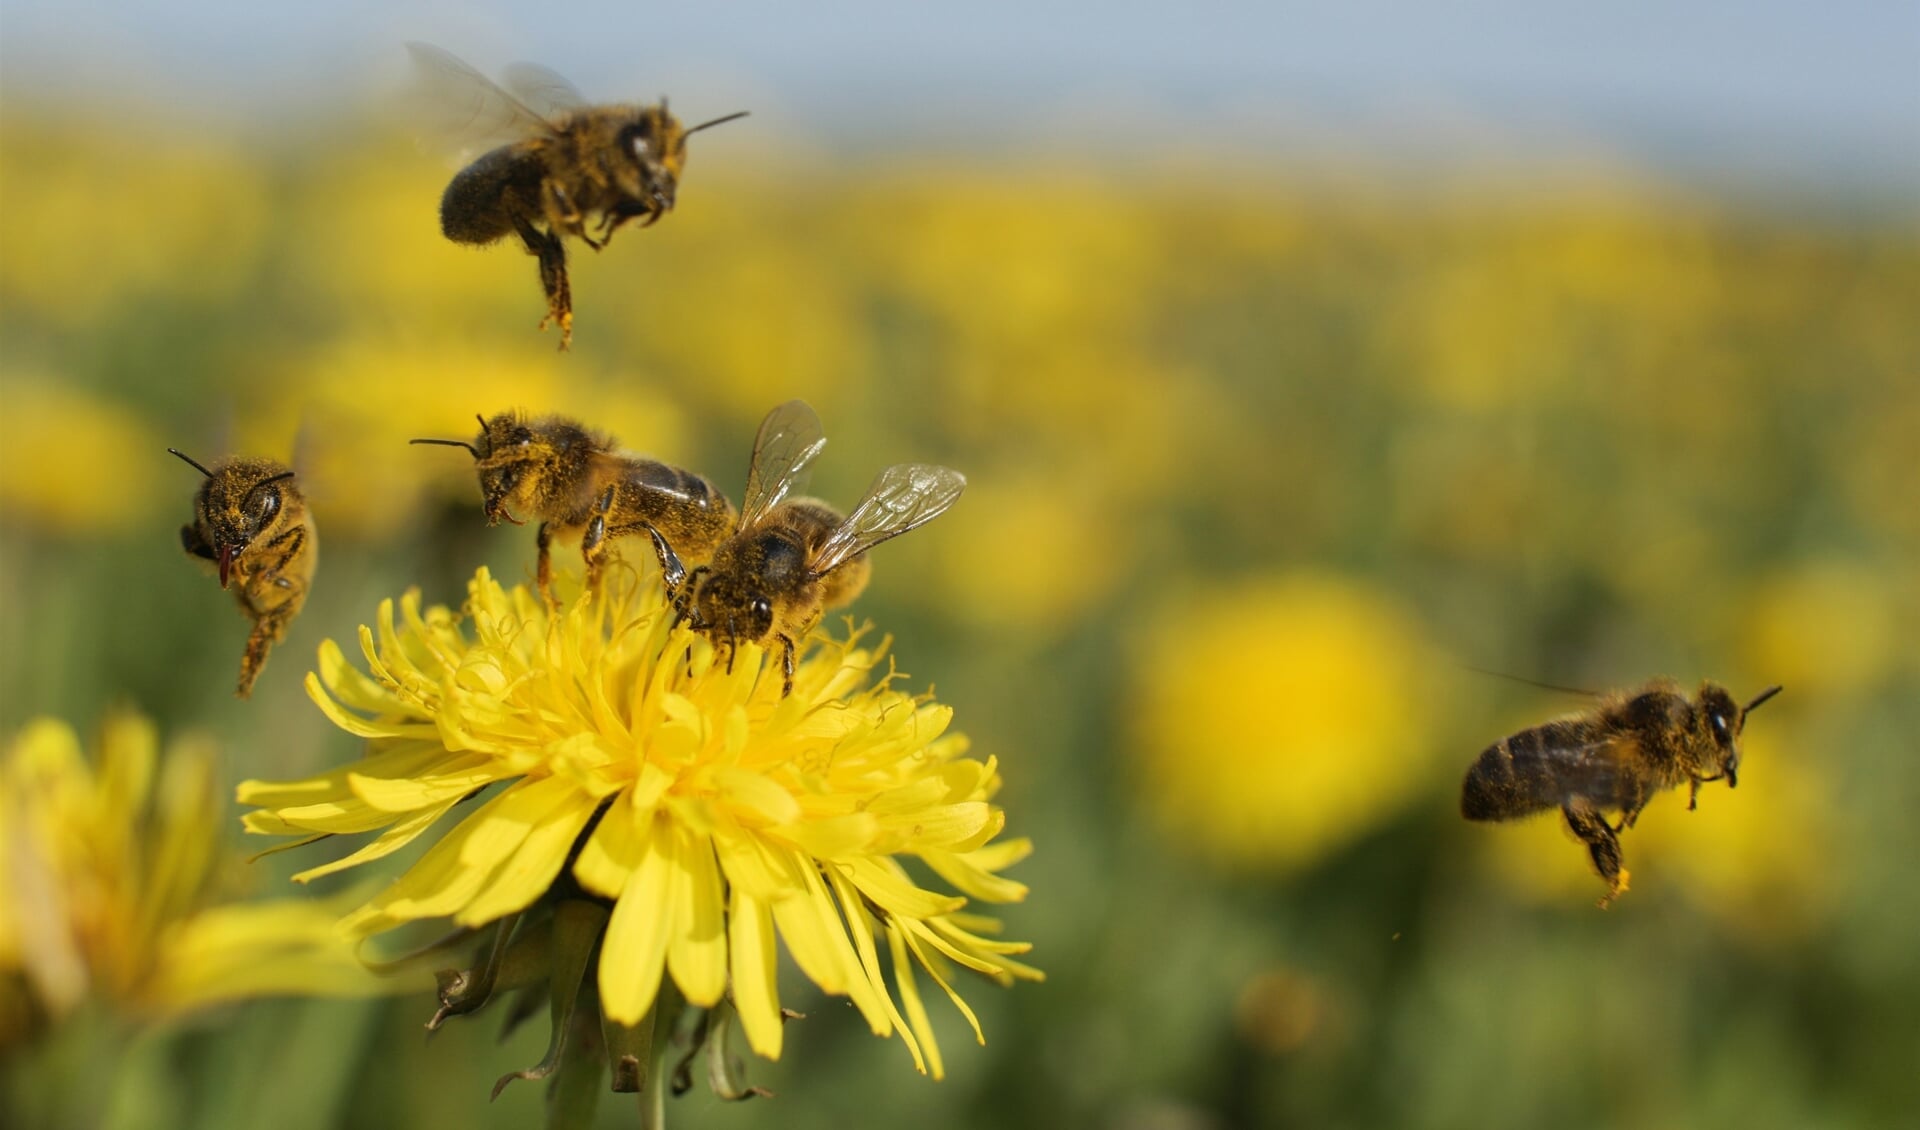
(638, 822)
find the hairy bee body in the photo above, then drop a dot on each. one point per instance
(484, 200)
(572, 169)
(252, 523)
(1615, 758)
(1571, 759)
(577, 483)
(790, 559)
(772, 564)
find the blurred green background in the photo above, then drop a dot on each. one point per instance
(1264, 455)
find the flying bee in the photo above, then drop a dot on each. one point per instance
(564, 166)
(250, 520)
(577, 481)
(1615, 757)
(791, 559)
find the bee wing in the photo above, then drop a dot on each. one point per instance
(1598, 770)
(902, 497)
(542, 89)
(467, 108)
(790, 440)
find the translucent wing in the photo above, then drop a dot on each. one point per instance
(542, 90)
(1566, 760)
(466, 108)
(790, 440)
(902, 496)
(1598, 771)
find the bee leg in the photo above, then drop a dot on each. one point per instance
(553, 277)
(614, 219)
(786, 664)
(1693, 794)
(194, 544)
(270, 589)
(543, 563)
(563, 216)
(672, 573)
(1603, 846)
(594, 543)
(683, 608)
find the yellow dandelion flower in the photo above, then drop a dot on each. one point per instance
(701, 813)
(109, 882)
(1298, 734)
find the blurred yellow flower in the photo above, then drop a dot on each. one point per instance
(1824, 629)
(1277, 719)
(77, 464)
(1050, 254)
(738, 323)
(109, 876)
(76, 237)
(713, 812)
(368, 241)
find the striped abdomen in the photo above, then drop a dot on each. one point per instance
(690, 512)
(1540, 768)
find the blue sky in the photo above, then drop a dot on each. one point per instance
(1799, 86)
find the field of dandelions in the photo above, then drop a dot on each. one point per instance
(1261, 465)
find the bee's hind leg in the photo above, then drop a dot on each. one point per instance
(786, 664)
(553, 278)
(543, 564)
(1603, 846)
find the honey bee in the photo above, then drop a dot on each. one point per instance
(791, 559)
(1615, 757)
(577, 481)
(250, 520)
(562, 165)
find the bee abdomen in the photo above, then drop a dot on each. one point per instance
(685, 487)
(482, 200)
(1517, 775)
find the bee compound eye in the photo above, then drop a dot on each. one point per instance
(762, 606)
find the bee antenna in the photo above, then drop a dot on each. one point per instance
(1764, 696)
(715, 122)
(190, 461)
(450, 443)
(1529, 682)
(483, 422)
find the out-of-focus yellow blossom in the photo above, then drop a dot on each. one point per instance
(76, 463)
(1063, 543)
(739, 324)
(1278, 720)
(109, 879)
(1005, 261)
(1876, 462)
(347, 413)
(369, 242)
(1612, 278)
(715, 813)
(1826, 629)
(1757, 855)
(76, 239)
